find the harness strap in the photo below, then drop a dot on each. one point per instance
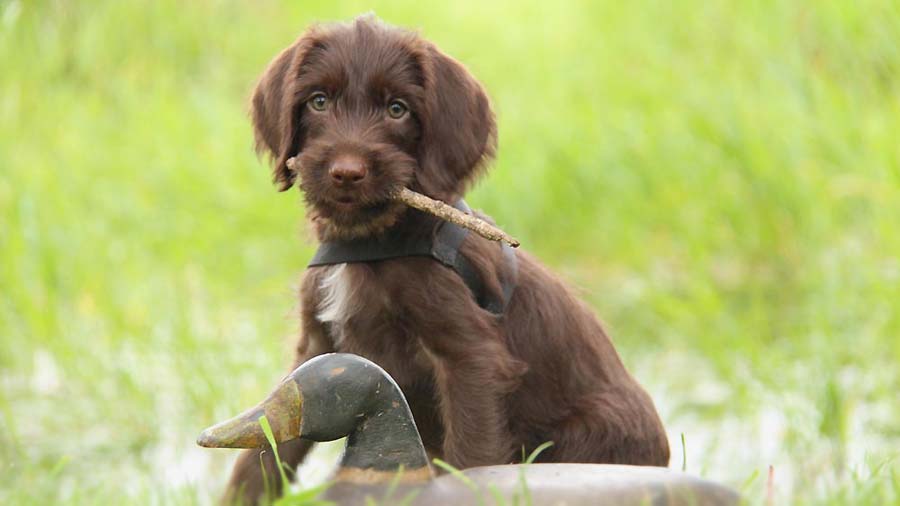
(443, 246)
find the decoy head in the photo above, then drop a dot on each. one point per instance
(327, 398)
(282, 408)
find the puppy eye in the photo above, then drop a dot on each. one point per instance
(397, 109)
(318, 101)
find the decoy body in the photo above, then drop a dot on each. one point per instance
(340, 394)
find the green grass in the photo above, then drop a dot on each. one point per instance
(720, 179)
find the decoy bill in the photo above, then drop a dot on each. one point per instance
(338, 394)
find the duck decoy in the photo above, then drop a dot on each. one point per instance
(339, 394)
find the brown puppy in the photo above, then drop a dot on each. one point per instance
(368, 108)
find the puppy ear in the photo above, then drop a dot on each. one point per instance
(459, 134)
(275, 111)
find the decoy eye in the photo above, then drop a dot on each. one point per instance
(318, 101)
(397, 109)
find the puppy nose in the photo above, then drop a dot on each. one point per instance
(348, 169)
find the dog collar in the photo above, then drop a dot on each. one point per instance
(442, 244)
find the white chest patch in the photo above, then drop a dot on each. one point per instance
(336, 304)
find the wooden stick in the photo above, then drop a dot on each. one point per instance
(444, 212)
(454, 215)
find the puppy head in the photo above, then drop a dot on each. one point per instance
(367, 109)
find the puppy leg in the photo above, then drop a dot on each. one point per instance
(611, 428)
(472, 385)
(255, 477)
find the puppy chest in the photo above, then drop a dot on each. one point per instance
(360, 317)
(339, 298)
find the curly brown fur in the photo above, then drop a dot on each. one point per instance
(480, 386)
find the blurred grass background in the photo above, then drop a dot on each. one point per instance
(720, 179)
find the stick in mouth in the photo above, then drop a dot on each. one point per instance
(443, 211)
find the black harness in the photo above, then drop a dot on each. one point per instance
(442, 245)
